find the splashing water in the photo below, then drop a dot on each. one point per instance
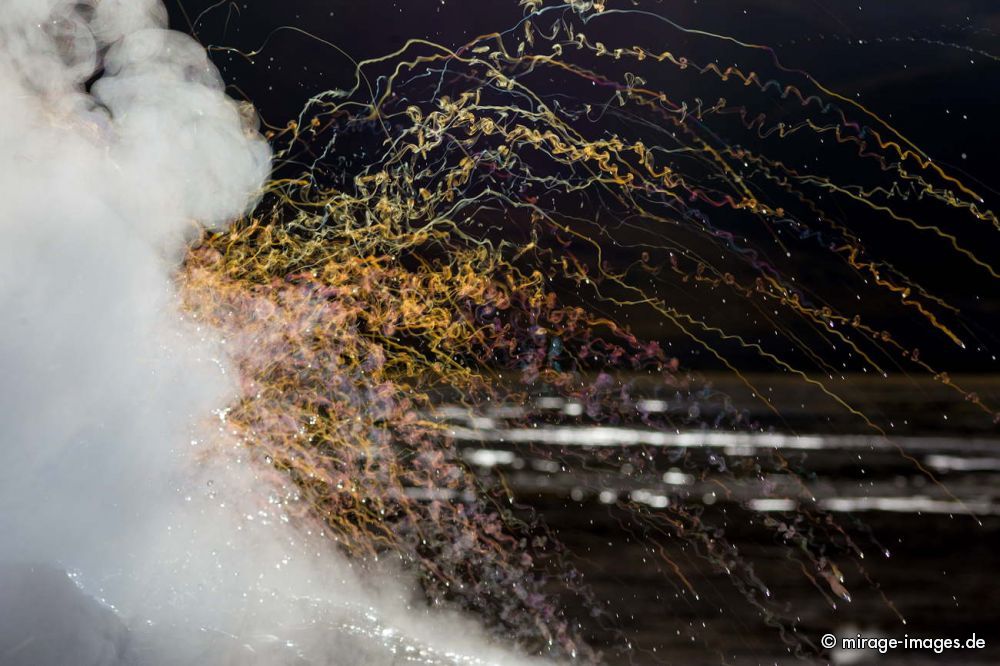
(469, 245)
(443, 233)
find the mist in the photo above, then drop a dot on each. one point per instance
(134, 529)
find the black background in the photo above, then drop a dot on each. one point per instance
(931, 69)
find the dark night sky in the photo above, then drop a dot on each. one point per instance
(946, 97)
(932, 69)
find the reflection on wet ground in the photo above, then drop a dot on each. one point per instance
(924, 504)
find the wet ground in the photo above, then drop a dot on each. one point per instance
(923, 507)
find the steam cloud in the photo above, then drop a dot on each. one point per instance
(103, 384)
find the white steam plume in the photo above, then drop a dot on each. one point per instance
(103, 384)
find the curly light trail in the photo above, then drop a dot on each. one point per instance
(442, 232)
